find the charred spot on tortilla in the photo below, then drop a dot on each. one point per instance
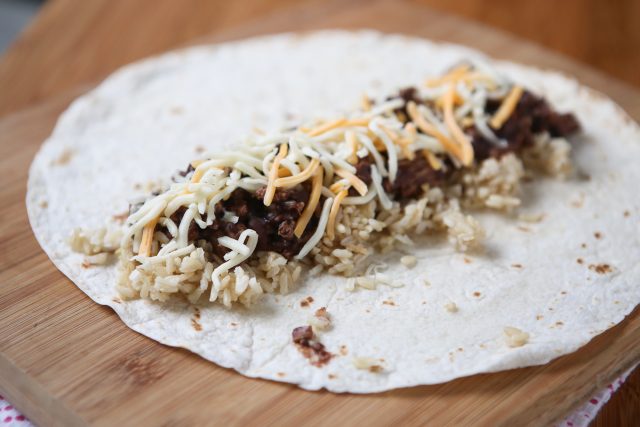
(601, 268)
(304, 338)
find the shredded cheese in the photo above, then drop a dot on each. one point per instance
(314, 198)
(333, 214)
(317, 235)
(273, 174)
(434, 162)
(365, 103)
(506, 108)
(290, 181)
(454, 75)
(466, 149)
(450, 146)
(353, 147)
(326, 127)
(356, 182)
(147, 238)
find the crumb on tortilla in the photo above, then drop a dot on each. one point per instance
(64, 157)
(344, 350)
(451, 307)
(409, 261)
(321, 320)
(368, 363)
(531, 218)
(515, 337)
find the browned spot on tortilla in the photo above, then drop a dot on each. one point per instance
(367, 310)
(523, 228)
(600, 268)
(597, 235)
(116, 300)
(388, 302)
(460, 349)
(476, 294)
(44, 204)
(199, 149)
(86, 264)
(281, 374)
(376, 369)
(332, 376)
(343, 350)
(539, 317)
(306, 302)
(137, 186)
(176, 110)
(467, 260)
(583, 245)
(580, 261)
(627, 214)
(121, 217)
(482, 346)
(563, 292)
(195, 324)
(64, 157)
(424, 302)
(516, 265)
(558, 323)
(579, 202)
(234, 324)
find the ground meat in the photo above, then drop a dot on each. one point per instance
(532, 115)
(274, 224)
(411, 176)
(407, 94)
(312, 349)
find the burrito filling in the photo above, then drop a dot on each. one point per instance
(328, 195)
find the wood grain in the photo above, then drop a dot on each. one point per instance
(604, 34)
(66, 361)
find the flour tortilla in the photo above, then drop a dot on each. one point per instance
(147, 120)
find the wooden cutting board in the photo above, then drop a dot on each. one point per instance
(67, 361)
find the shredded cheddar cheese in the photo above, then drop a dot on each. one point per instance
(333, 214)
(450, 146)
(434, 162)
(356, 182)
(466, 149)
(455, 74)
(290, 181)
(273, 175)
(326, 127)
(506, 107)
(353, 147)
(147, 238)
(314, 198)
